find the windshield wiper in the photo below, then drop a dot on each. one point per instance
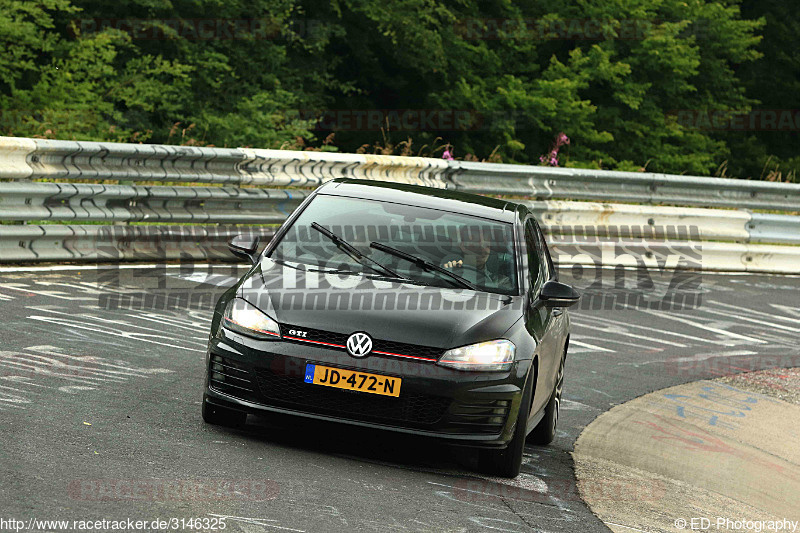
(423, 264)
(351, 250)
(311, 268)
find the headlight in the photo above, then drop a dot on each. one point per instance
(490, 355)
(244, 318)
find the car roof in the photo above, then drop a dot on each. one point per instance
(417, 195)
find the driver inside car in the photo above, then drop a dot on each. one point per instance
(478, 261)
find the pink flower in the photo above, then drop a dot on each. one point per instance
(552, 158)
(447, 155)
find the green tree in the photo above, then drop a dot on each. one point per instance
(611, 75)
(774, 81)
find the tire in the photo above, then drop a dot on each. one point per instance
(545, 431)
(222, 416)
(508, 461)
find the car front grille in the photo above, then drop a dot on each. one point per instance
(406, 410)
(379, 347)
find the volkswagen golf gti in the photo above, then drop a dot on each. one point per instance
(400, 307)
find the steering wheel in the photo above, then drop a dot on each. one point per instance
(470, 268)
(466, 267)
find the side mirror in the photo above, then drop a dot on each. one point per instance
(555, 294)
(245, 247)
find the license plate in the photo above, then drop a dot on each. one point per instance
(352, 380)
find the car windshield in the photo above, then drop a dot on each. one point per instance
(475, 249)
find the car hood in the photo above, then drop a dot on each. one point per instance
(428, 316)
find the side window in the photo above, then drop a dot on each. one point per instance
(534, 257)
(547, 261)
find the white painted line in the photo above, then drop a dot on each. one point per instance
(174, 323)
(749, 319)
(788, 308)
(497, 496)
(619, 330)
(49, 294)
(707, 328)
(112, 332)
(573, 342)
(609, 339)
(705, 356)
(772, 316)
(648, 328)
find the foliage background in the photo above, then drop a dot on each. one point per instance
(75, 69)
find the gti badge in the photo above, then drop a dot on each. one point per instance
(359, 344)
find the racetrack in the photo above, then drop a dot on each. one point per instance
(100, 411)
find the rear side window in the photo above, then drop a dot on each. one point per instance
(534, 257)
(547, 261)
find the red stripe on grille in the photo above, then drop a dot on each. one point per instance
(373, 351)
(314, 342)
(401, 355)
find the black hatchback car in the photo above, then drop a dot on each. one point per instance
(400, 307)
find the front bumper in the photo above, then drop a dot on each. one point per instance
(469, 408)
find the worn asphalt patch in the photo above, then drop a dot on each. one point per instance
(782, 383)
(701, 450)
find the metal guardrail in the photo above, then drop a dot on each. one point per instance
(29, 201)
(25, 201)
(227, 202)
(635, 187)
(109, 243)
(76, 160)
(32, 159)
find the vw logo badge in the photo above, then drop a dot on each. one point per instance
(359, 344)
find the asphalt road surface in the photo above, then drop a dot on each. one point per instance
(100, 409)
